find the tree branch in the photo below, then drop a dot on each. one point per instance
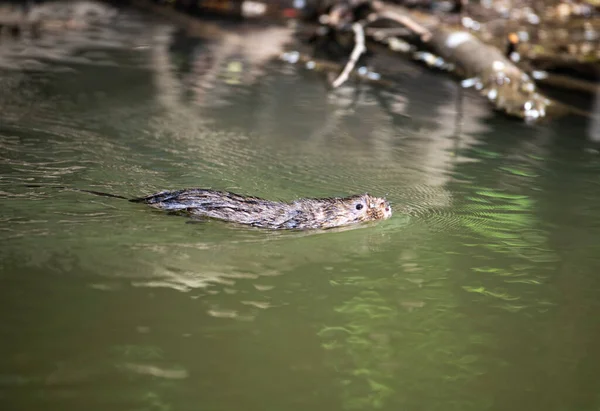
(359, 48)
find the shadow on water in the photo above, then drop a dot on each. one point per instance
(479, 293)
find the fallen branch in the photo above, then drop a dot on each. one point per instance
(384, 33)
(359, 48)
(404, 20)
(567, 83)
(479, 59)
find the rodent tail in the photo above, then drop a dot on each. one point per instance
(98, 193)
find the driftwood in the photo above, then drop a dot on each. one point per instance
(484, 67)
(509, 84)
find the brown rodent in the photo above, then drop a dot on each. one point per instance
(301, 214)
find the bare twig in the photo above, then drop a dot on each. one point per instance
(403, 20)
(359, 48)
(383, 33)
(568, 83)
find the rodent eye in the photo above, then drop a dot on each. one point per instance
(359, 206)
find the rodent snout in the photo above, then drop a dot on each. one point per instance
(386, 207)
(379, 208)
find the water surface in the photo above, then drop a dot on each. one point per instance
(479, 293)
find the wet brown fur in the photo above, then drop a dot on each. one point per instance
(302, 214)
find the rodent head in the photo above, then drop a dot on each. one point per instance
(367, 208)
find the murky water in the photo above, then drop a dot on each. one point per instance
(480, 293)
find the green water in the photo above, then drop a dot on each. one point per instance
(480, 293)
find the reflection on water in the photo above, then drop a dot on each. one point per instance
(479, 293)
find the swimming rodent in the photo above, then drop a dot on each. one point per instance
(301, 214)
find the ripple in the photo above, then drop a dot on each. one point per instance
(156, 371)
